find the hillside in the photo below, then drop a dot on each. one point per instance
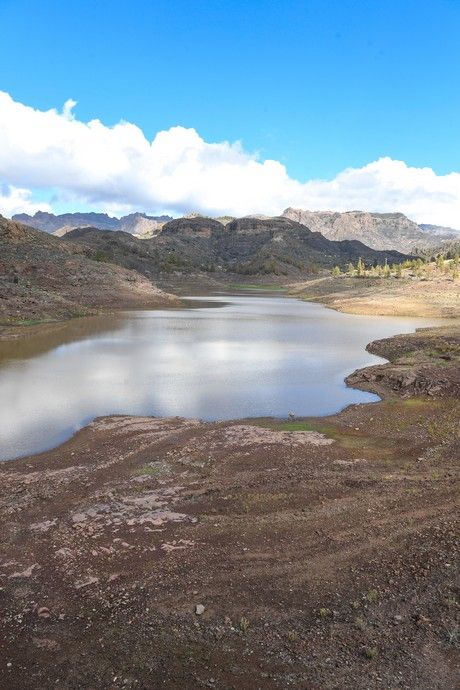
(43, 277)
(138, 224)
(381, 231)
(440, 231)
(248, 246)
(377, 230)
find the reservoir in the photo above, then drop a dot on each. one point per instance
(218, 358)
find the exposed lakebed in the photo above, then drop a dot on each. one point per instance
(231, 358)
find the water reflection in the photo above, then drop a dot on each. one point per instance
(255, 356)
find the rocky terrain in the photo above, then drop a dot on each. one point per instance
(424, 363)
(138, 224)
(245, 246)
(255, 554)
(381, 231)
(42, 277)
(440, 231)
(376, 230)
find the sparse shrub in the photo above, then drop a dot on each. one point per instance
(372, 596)
(243, 624)
(360, 623)
(293, 636)
(100, 256)
(371, 652)
(453, 635)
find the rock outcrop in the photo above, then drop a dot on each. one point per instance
(424, 363)
(377, 230)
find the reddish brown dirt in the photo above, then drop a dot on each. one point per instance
(323, 558)
(43, 278)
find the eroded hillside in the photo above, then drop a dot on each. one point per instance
(42, 277)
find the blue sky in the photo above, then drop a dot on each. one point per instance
(318, 86)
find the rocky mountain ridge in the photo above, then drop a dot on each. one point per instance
(138, 224)
(381, 231)
(246, 246)
(376, 230)
(440, 231)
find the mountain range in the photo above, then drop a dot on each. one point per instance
(139, 224)
(246, 246)
(381, 231)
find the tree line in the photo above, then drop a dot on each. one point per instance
(420, 268)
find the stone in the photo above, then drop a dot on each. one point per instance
(199, 609)
(43, 612)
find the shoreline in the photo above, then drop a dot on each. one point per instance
(383, 297)
(359, 379)
(309, 552)
(359, 296)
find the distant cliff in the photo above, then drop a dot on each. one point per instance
(138, 224)
(376, 230)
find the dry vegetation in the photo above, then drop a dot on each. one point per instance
(413, 288)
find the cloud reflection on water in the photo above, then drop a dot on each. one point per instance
(256, 356)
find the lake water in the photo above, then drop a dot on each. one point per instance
(236, 356)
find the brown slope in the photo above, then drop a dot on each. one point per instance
(41, 277)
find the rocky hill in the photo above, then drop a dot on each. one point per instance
(138, 224)
(250, 246)
(440, 231)
(377, 230)
(42, 276)
(381, 231)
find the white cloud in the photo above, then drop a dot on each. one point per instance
(112, 168)
(17, 200)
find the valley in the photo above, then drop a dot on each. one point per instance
(267, 547)
(229, 345)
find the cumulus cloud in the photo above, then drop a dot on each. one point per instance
(17, 200)
(112, 168)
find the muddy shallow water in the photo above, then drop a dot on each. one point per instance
(253, 356)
